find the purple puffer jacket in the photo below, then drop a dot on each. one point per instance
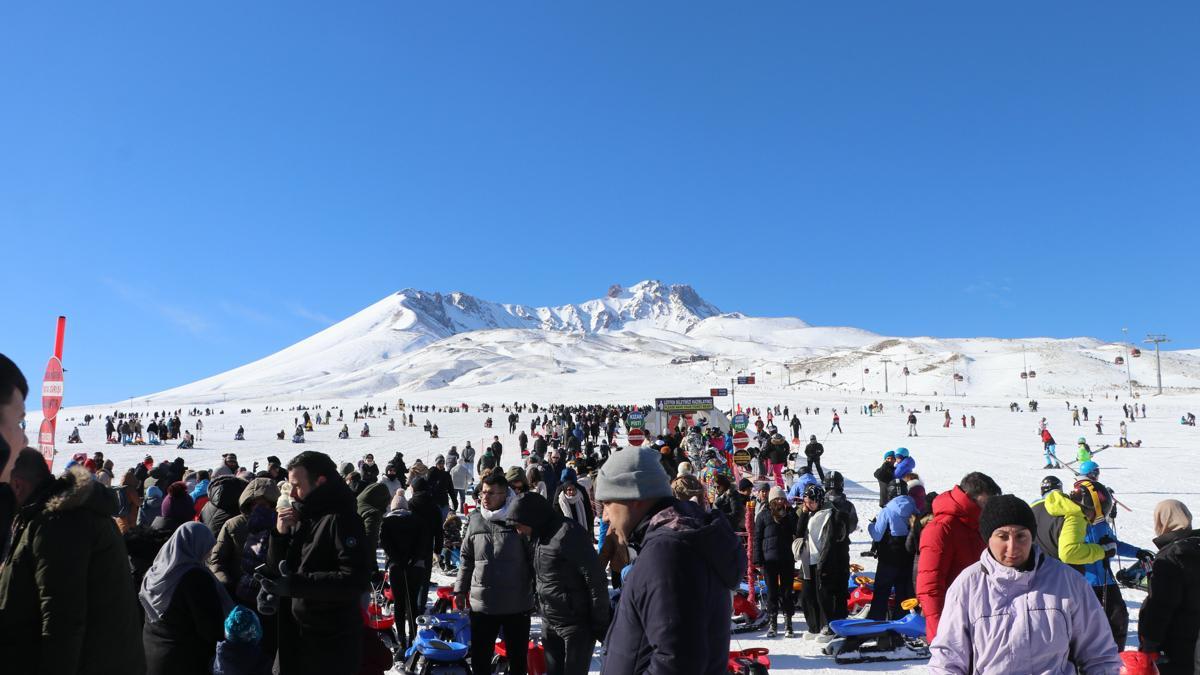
(1001, 620)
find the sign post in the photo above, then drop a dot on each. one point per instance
(52, 396)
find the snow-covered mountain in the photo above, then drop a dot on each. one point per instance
(417, 340)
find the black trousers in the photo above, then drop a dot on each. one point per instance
(816, 461)
(891, 575)
(779, 578)
(1116, 611)
(817, 601)
(409, 588)
(484, 630)
(568, 650)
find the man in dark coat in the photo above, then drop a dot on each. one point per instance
(812, 453)
(440, 486)
(571, 587)
(223, 495)
(66, 595)
(408, 537)
(320, 569)
(673, 616)
(885, 474)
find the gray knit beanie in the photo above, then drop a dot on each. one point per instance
(632, 473)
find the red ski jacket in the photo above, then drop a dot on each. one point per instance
(949, 544)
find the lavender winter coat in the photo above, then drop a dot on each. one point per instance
(1002, 620)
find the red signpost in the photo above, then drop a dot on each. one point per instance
(52, 395)
(636, 437)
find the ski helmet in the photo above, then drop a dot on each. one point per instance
(1089, 469)
(1082, 440)
(1093, 498)
(816, 493)
(834, 481)
(805, 470)
(1051, 483)
(902, 452)
(896, 488)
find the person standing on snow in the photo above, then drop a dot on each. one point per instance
(884, 475)
(1049, 625)
(571, 588)
(319, 569)
(1170, 616)
(950, 543)
(812, 453)
(774, 530)
(889, 531)
(912, 423)
(676, 600)
(824, 562)
(67, 599)
(1048, 449)
(837, 423)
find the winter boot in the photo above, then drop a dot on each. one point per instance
(771, 632)
(787, 626)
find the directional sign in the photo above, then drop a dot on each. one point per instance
(740, 440)
(636, 420)
(718, 392)
(52, 389)
(740, 422)
(741, 458)
(746, 379)
(636, 437)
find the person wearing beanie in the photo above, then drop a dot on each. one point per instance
(571, 588)
(1170, 617)
(177, 508)
(731, 502)
(676, 598)
(517, 480)
(441, 488)
(774, 529)
(1050, 622)
(885, 474)
(573, 503)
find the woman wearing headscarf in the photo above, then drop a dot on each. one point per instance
(185, 605)
(1019, 610)
(1170, 616)
(572, 503)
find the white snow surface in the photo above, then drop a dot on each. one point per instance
(420, 341)
(1005, 445)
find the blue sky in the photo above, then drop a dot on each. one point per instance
(200, 184)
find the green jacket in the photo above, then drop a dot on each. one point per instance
(1062, 528)
(67, 601)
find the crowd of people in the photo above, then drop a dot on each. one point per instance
(228, 569)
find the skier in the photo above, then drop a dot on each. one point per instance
(795, 427)
(912, 423)
(837, 423)
(1048, 448)
(1075, 417)
(1084, 452)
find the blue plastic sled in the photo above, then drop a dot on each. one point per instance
(912, 625)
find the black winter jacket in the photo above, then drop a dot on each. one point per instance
(773, 539)
(814, 450)
(185, 640)
(1170, 616)
(223, 495)
(571, 586)
(321, 624)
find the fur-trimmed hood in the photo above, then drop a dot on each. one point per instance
(76, 488)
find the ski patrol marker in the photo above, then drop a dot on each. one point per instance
(636, 437)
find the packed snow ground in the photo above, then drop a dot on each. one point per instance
(1005, 445)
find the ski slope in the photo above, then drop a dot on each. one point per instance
(1003, 444)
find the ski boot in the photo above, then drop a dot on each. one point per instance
(771, 631)
(787, 626)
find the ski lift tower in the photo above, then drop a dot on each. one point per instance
(1156, 340)
(1128, 372)
(885, 377)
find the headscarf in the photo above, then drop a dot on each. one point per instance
(187, 549)
(1171, 515)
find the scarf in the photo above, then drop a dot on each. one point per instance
(1171, 515)
(574, 507)
(186, 550)
(500, 514)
